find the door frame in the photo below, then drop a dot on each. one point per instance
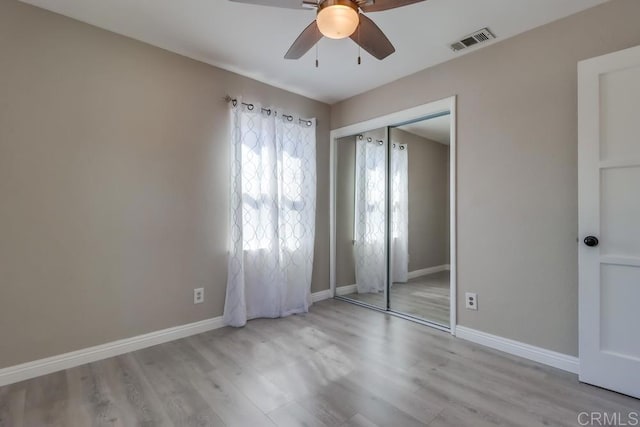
(392, 119)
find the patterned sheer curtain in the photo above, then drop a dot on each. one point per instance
(272, 218)
(370, 216)
(399, 165)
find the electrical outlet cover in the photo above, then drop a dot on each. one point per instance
(198, 295)
(471, 300)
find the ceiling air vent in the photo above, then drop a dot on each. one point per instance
(479, 36)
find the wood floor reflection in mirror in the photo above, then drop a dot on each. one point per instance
(425, 297)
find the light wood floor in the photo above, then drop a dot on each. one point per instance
(426, 297)
(339, 365)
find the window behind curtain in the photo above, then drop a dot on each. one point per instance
(272, 228)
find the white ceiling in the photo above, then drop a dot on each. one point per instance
(436, 129)
(252, 40)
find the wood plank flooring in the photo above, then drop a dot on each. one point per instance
(426, 297)
(339, 365)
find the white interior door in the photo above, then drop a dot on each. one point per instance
(609, 210)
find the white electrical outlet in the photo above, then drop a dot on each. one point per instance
(198, 295)
(471, 300)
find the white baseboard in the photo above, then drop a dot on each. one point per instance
(25, 371)
(28, 370)
(346, 290)
(322, 295)
(537, 354)
(430, 270)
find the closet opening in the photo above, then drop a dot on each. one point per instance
(393, 214)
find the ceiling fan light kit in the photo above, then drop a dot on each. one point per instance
(337, 19)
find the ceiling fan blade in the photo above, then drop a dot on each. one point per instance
(371, 38)
(288, 4)
(379, 5)
(305, 41)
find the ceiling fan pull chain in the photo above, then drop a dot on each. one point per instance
(359, 59)
(318, 31)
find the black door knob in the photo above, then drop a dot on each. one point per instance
(591, 241)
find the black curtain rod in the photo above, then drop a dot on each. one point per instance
(250, 107)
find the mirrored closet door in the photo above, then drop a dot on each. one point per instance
(392, 219)
(419, 212)
(361, 218)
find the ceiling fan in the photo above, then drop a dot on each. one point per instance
(338, 19)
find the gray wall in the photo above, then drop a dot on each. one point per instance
(114, 184)
(517, 168)
(428, 200)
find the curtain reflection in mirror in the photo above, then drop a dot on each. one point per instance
(370, 221)
(399, 165)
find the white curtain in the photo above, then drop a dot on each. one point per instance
(399, 213)
(370, 216)
(272, 218)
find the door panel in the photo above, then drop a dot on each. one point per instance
(609, 208)
(620, 211)
(618, 307)
(620, 103)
